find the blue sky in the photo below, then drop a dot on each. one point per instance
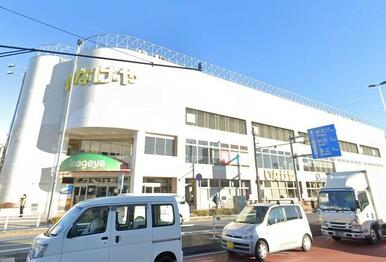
(326, 50)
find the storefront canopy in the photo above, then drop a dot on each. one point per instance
(92, 162)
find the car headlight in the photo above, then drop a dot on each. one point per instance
(324, 225)
(355, 226)
(247, 235)
(38, 250)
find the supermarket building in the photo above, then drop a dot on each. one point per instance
(139, 128)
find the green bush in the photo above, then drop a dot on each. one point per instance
(213, 212)
(54, 220)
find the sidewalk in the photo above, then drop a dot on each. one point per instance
(22, 232)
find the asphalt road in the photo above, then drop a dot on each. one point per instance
(197, 238)
(323, 249)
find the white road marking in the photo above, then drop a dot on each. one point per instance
(187, 225)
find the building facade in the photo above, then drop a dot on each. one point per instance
(141, 128)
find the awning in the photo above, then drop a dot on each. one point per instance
(92, 162)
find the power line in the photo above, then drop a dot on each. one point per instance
(12, 53)
(28, 49)
(66, 31)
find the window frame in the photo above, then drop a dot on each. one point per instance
(153, 213)
(133, 205)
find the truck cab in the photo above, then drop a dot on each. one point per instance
(348, 208)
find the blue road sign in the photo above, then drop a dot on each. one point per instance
(324, 142)
(198, 177)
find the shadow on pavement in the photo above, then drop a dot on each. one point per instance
(359, 247)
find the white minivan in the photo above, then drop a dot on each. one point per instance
(124, 228)
(266, 228)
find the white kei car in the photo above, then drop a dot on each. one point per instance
(266, 228)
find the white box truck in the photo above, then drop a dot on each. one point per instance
(353, 205)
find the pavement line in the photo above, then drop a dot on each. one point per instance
(187, 225)
(205, 254)
(15, 249)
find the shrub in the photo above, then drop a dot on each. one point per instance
(8, 205)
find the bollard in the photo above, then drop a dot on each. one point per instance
(38, 221)
(214, 228)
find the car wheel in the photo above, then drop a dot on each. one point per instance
(336, 238)
(166, 259)
(373, 238)
(306, 243)
(261, 250)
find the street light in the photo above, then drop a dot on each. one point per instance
(380, 92)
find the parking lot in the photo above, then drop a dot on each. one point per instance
(324, 249)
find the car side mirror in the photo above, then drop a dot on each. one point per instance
(271, 221)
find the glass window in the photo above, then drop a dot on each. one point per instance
(363, 200)
(204, 183)
(163, 215)
(275, 162)
(276, 215)
(95, 146)
(149, 145)
(130, 217)
(212, 121)
(93, 221)
(267, 161)
(290, 212)
(259, 160)
(224, 183)
(203, 155)
(160, 146)
(214, 182)
(169, 147)
(282, 164)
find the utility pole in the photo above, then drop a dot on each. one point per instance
(194, 191)
(256, 167)
(63, 132)
(293, 140)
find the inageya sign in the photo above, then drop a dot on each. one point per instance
(101, 75)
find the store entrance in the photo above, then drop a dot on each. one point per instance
(87, 188)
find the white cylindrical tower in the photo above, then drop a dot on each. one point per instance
(33, 142)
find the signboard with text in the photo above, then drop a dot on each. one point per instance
(324, 142)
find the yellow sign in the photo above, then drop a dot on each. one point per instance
(279, 175)
(101, 75)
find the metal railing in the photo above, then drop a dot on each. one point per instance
(163, 53)
(12, 222)
(166, 54)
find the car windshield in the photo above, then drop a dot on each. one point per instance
(337, 200)
(64, 221)
(252, 214)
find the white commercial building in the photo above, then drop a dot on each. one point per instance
(137, 128)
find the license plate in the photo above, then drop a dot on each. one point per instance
(230, 245)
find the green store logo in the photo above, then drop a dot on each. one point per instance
(101, 75)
